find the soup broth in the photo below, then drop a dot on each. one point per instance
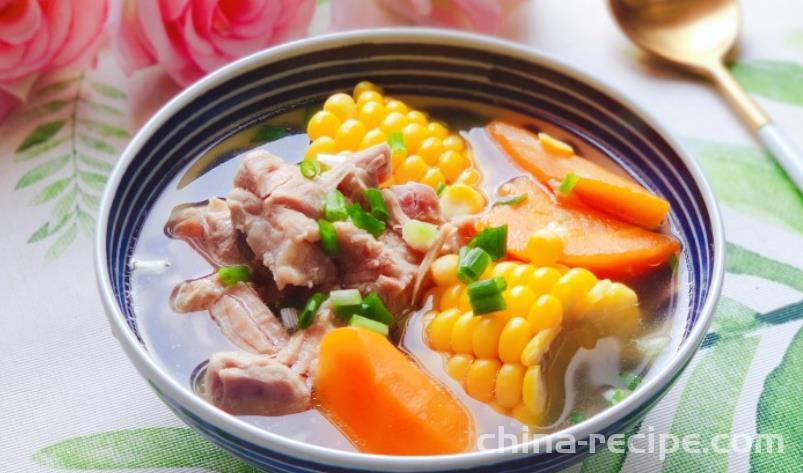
(581, 381)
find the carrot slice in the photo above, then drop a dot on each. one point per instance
(598, 242)
(596, 186)
(382, 401)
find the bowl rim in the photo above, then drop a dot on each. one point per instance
(240, 429)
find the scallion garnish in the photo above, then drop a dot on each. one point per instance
(334, 206)
(471, 263)
(441, 187)
(576, 417)
(618, 395)
(377, 204)
(345, 297)
(328, 235)
(309, 168)
(630, 381)
(363, 220)
(378, 310)
(366, 323)
(231, 275)
(512, 200)
(568, 183)
(493, 240)
(486, 296)
(311, 307)
(396, 144)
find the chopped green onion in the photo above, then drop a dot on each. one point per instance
(344, 297)
(377, 204)
(363, 220)
(673, 261)
(618, 395)
(396, 143)
(441, 187)
(568, 183)
(493, 240)
(471, 263)
(378, 310)
(334, 206)
(511, 200)
(309, 168)
(487, 304)
(328, 236)
(419, 235)
(231, 275)
(344, 312)
(487, 287)
(366, 323)
(576, 417)
(310, 309)
(630, 381)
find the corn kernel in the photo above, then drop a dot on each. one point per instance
(546, 313)
(463, 301)
(394, 122)
(544, 247)
(372, 138)
(521, 274)
(485, 338)
(349, 135)
(470, 176)
(444, 270)
(437, 130)
(537, 346)
(430, 149)
(414, 134)
(369, 96)
(411, 169)
(323, 144)
(450, 296)
(481, 379)
(503, 269)
(454, 143)
(571, 287)
(457, 367)
(521, 301)
(533, 390)
(342, 105)
(433, 178)
(554, 146)
(452, 164)
(414, 116)
(460, 199)
(525, 416)
(364, 86)
(394, 105)
(544, 279)
(462, 331)
(372, 114)
(509, 381)
(323, 123)
(514, 337)
(439, 330)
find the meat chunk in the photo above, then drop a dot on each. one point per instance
(301, 352)
(248, 384)
(247, 321)
(208, 228)
(417, 201)
(198, 294)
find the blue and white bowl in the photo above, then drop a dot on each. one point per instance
(411, 62)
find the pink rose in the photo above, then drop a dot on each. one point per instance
(189, 38)
(484, 16)
(39, 36)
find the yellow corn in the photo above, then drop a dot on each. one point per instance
(544, 247)
(373, 137)
(498, 357)
(372, 114)
(460, 199)
(349, 135)
(323, 123)
(323, 144)
(342, 106)
(554, 146)
(364, 86)
(368, 96)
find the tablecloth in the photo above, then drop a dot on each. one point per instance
(71, 401)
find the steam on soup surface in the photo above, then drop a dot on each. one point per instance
(407, 268)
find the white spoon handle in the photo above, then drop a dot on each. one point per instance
(784, 150)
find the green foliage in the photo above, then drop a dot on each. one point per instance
(776, 80)
(72, 152)
(740, 260)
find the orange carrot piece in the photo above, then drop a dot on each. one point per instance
(382, 401)
(598, 242)
(596, 186)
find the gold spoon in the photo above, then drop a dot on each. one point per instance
(697, 35)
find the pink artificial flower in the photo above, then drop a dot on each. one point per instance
(38, 36)
(484, 16)
(189, 38)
